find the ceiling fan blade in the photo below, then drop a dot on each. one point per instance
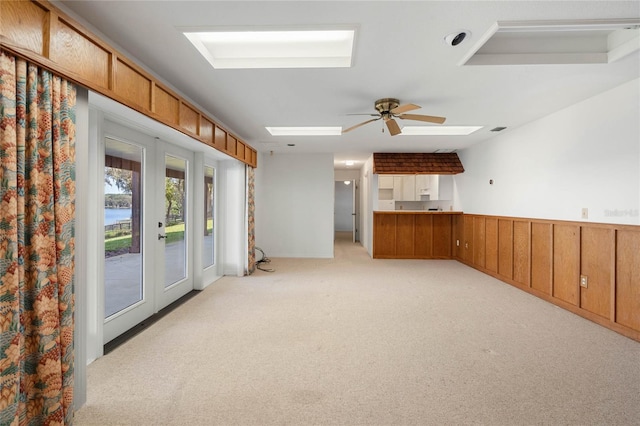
(418, 117)
(361, 124)
(404, 108)
(393, 127)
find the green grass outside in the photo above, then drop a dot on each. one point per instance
(174, 233)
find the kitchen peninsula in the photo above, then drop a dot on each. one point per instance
(413, 234)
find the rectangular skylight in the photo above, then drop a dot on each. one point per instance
(255, 48)
(439, 130)
(304, 131)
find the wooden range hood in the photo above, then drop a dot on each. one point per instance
(419, 163)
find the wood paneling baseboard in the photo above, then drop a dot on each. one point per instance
(413, 235)
(547, 257)
(41, 33)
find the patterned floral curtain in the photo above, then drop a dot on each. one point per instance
(251, 207)
(37, 195)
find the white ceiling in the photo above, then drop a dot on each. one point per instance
(400, 52)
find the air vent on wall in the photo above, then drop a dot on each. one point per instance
(498, 129)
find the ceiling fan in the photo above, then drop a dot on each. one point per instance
(389, 109)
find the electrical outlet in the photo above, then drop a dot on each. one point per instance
(585, 213)
(457, 243)
(466, 245)
(583, 281)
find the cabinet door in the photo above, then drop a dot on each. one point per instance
(397, 188)
(409, 188)
(385, 182)
(422, 185)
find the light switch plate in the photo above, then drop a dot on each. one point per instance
(583, 281)
(585, 213)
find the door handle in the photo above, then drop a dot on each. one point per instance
(160, 237)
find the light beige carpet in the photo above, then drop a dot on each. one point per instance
(355, 341)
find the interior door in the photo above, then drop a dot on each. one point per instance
(174, 230)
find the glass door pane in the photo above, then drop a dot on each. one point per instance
(123, 278)
(175, 235)
(208, 258)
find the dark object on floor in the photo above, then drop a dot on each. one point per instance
(262, 260)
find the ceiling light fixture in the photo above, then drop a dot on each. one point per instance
(304, 131)
(439, 130)
(226, 48)
(349, 163)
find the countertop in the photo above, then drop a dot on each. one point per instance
(415, 212)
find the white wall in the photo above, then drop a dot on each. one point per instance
(369, 202)
(585, 156)
(294, 205)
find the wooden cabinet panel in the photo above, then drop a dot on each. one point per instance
(384, 236)
(206, 131)
(240, 149)
(566, 262)
(442, 236)
(521, 252)
(220, 139)
(81, 56)
(628, 279)
(165, 105)
(132, 86)
(231, 145)
(542, 257)
(189, 118)
(23, 23)
(505, 248)
(491, 244)
(405, 235)
(597, 252)
(424, 235)
(479, 241)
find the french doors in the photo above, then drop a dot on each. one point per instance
(148, 228)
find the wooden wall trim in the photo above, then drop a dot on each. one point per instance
(557, 254)
(39, 32)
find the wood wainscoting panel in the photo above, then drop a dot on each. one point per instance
(468, 239)
(598, 265)
(566, 262)
(479, 241)
(220, 139)
(405, 235)
(23, 23)
(505, 248)
(240, 148)
(441, 235)
(491, 244)
(424, 235)
(458, 236)
(82, 56)
(247, 154)
(231, 145)
(628, 279)
(132, 86)
(189, 118)
(522, 252)
(206, 131)
(542, 257)
(384, 241)
(165, 105)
